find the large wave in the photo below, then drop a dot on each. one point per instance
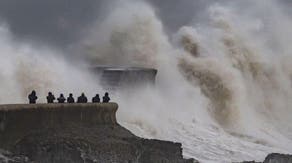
(223, 87)
(26, 67)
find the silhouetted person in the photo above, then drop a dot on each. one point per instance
(105, 98)
(32, 97)
(70, 99)
(50, 97)
(61, 99)
(96, 99)
(82, 99)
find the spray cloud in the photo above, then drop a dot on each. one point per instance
(223, 87)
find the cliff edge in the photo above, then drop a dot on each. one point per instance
(77, 133)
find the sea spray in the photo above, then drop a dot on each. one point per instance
(211, 84)
(223, 87)
(25, 67)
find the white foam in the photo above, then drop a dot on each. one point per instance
(229, 102)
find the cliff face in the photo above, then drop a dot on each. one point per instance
(275, 158)
(278, 158)
(77, 133)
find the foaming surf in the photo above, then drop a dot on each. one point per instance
(221, 90)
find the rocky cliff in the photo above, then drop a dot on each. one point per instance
(275, 158)
(76, 133)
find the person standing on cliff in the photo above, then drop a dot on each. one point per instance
(50, 98)
(105, 98)
(32, 97)
(61, 99)
(96, 99)
(82, 99)
(70, 99)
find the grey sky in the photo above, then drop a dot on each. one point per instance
(54, 21)
(62, 22)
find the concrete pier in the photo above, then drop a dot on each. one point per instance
(77, 133)
(16, 121)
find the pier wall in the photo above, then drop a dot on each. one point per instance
(16, 121)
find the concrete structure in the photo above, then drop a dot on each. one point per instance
(16, 121)
(112, 78)
(77, 133)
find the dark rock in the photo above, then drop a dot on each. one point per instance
(275, 158)
(278, 158)
(78, 133)
(191, 160)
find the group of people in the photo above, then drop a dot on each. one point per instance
(81, 99)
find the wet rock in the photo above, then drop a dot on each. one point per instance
(278, 158)
(275, 158)
(78, 133)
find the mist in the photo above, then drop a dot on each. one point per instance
(224, 77)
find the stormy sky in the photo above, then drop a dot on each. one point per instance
(62, 22)
(54, 21)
